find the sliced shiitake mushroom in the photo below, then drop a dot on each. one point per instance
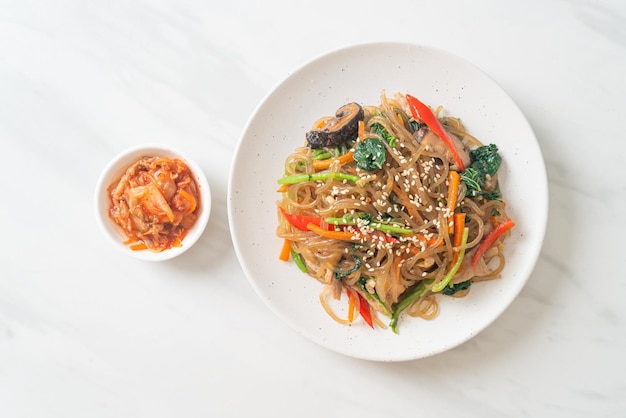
(339, 129)
(433, 142)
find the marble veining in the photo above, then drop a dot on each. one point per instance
(87, 332)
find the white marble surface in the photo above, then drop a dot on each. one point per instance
(88, 332)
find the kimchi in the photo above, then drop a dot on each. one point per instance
(155, 203)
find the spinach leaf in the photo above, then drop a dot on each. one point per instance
(373, 296)
(357, 265)
(451, 290)
(485, 161)
(494, 195)
(473, 180)
(414, 125)
(370, 154)
(366, 217)
(380, 130)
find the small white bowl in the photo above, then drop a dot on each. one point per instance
(113, 172)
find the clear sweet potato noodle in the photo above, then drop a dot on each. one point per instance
(155, 202)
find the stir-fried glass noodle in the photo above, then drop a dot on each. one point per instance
(155, 203)
(393, 204)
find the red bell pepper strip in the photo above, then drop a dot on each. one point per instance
(422, 112)
(364, 310)
(491, 238)
(301, 222)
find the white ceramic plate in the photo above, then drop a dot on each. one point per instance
(360, 73)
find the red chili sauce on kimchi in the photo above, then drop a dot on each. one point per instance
(155, 203)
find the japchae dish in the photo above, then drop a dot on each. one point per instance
(155, 203)
(394, 205)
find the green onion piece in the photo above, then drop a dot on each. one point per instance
(325, 175)
(390, 229)
(341, 221)
(297, 258)
(320, 154)
(419, 291)
(438, 287)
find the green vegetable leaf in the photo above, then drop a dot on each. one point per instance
(366, 217)
(451, 290)
(414, 125)
(494, 195)
(380, 130)
(370, 154)
(485, 161)
(373, 296)
(473, 180)
(357, 265)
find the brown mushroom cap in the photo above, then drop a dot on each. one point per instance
(334, 131)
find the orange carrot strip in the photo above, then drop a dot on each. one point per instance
(350, 306)
(139, 246)
(361, 131)
(342, 159)
(285, 251)
(283, 188)
(339, 235)
(397, 263)
(459, 225)
(454, 180)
